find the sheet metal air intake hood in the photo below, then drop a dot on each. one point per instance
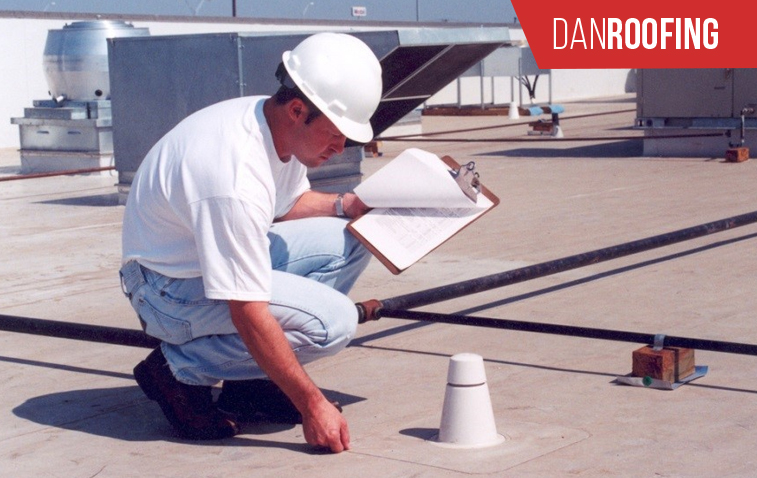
(420, 62)
(157, 81)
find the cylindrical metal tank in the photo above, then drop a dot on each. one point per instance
(76, 58)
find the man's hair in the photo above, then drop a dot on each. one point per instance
(289, 91)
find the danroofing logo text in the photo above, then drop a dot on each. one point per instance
(615, 34)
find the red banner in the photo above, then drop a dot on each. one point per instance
(664, 34)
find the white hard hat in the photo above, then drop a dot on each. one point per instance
(342, 77)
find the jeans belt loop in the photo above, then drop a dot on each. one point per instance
(132, 278)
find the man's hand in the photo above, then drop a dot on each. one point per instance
(353, 206)
(324, 426)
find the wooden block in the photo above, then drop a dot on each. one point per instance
(737, 155)
(541, 125)
(671, 364)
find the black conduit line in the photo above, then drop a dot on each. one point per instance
(136, 338)
(573, 331)
(550, 139)
(493, 281)
(67, 172)
(497, 126)
(69, 330)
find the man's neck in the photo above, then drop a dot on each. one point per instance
(271, 114)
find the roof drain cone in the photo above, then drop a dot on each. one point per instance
(512, 111)
(467, 415)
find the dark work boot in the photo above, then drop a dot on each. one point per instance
(189, 408)
(259, 400)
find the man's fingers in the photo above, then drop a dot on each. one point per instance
(336, 446)
(345, 437)
(339, 441)
(327, 429)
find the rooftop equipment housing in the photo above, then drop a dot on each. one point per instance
(696, 102)
(157, 81)
(72, 128)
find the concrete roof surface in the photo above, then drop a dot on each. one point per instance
(72, 409)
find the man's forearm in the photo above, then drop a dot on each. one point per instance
(323, 425)
(269, 347)
(316, 203)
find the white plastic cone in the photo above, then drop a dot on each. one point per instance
(467, 415)
(513, 111)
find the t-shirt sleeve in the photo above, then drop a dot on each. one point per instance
(292, 184)
(233, 249)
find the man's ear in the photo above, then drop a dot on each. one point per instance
(296, 109)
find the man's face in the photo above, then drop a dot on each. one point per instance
(317, 141)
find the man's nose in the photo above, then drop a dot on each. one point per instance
(338, 145)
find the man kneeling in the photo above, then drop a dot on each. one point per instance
(234, 263)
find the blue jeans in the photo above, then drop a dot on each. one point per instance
(316, 261)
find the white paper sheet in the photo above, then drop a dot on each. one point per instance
(417, 206)
(404, 235)
(415, 178)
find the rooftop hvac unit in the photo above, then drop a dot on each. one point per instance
(159, 80)
(698, 103)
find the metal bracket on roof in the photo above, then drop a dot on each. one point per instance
(659, 342)
(467, 178)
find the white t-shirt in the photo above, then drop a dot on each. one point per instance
(203, 199)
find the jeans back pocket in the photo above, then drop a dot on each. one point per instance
(161, 326)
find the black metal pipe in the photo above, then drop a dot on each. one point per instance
(50, 174)
(574, 331)
(373, 309)
(69, 330)
(552, 139)
(493, 281)
(412, 137)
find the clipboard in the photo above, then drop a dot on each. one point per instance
(371, 237)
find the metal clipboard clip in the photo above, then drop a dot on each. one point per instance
(467, 178)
